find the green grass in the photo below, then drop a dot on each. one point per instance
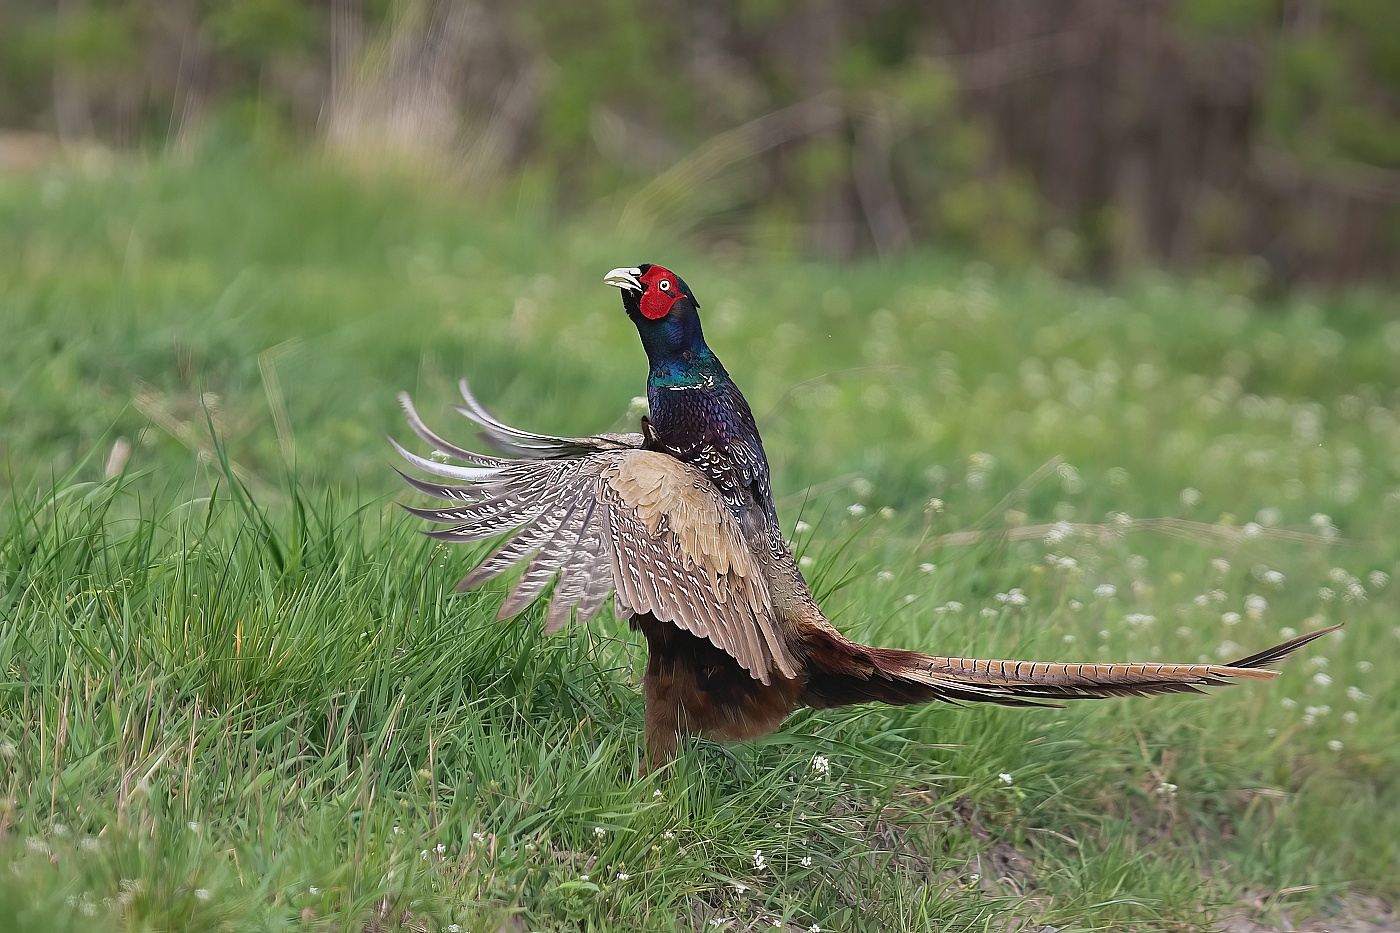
(238, 692)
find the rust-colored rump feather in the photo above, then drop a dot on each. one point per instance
(694, 688)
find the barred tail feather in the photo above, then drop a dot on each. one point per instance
(850, 673)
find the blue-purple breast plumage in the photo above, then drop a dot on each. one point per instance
(709, 424)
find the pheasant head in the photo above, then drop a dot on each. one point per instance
(664, 309)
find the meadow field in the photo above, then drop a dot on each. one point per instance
(237, 691)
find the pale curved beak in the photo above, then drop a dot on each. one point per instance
(625, 277)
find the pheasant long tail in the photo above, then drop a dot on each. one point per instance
(851, 673)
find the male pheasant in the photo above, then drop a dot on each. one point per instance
(678, 521)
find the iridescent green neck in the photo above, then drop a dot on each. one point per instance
(697, 367)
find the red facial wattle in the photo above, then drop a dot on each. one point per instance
(661, 292)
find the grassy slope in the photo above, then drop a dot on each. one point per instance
(223, 712)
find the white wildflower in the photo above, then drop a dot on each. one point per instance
(193, 826)
(1139, 618)
(1322, 679)
(1255, 606)
(821, 765)
(657, 793)
(1218, 596)
(1105, 591)
(1378, 579)
(934, 506)
(1230, 618)
(1287, 632)
(1013, 598)
(201, 893)
(862, 487)
(623, 876)
(668, 835)
(1166, 789)
(1190, 497)
(599, 831)
(805, 561)
(313, 890)
(1325, 594)
(1350, 717)
(884, 576)
(1005, 777)
(759, 862)
(886, 513)
(1269, 516)
(1076, 605)
(1273, 578)
(801, 528)
(1355, 694)
(1289, 703)
(806, 861)
(1252, 530)
(1334, 745)
(856, 509)
(927, 568)
(1220, 565)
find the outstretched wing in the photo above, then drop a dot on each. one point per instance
(604, 517)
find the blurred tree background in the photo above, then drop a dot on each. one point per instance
(1262, 136)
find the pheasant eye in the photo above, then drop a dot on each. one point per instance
(664, 285)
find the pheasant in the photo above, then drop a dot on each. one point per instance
(678, 522)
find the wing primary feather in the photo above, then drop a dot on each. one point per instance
(450, 470)
(440, 491)
(441, 444)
